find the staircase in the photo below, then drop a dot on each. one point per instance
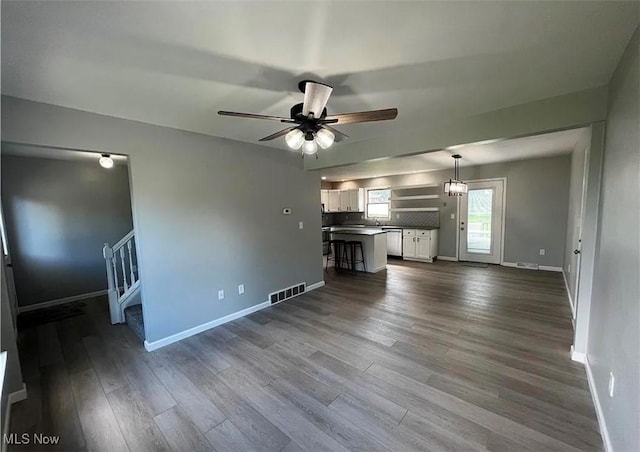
(133, 318)
(124, 283)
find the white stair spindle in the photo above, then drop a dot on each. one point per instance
(124, 271)
(133, 278)
(115, 274)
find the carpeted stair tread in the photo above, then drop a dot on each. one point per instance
(133, 317)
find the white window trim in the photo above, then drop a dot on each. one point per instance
(388, 217)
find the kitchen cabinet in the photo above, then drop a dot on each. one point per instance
(420, 244)
(324, 199)
(351, 200)
(334, 200)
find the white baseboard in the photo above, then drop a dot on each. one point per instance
(577, 356)
(566, 286)
(151, 346)
(547, 268)
(315, 286)
(604, 432)
(12, 398)
(48, 304)
(17, 396)
(447, 258)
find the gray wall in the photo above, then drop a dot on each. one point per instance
(59, 214)
(13, 375)
(207, 211)
(614, 333)
(574, 211)
(535, 212)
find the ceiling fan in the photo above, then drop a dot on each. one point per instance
(313, 126)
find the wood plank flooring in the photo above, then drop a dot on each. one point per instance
(418, 357)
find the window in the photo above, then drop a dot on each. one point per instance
(378, 203)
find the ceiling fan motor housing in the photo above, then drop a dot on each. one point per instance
(296, 113)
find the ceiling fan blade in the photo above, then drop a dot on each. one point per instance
(273, 136)
(365, 116)
(253, 116)
(316, 96)
(339, 135)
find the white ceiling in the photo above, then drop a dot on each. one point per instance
(57, 153)
(177, 63)
(545, 145)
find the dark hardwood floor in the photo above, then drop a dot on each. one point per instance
(419, 357)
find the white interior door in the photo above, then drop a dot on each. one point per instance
(481, 217)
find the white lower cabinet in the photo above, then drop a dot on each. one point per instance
(420, 244)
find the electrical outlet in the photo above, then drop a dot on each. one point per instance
(397, 216)
(241, 289)
(612, 384)
(300, 225)
(542, 251)
(221, 295)
(453, 216)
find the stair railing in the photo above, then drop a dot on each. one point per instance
(122, 274)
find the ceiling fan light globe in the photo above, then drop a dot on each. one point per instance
(309, 147)
(294, 139)
(325, 138)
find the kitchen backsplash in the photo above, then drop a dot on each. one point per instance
(413, 219)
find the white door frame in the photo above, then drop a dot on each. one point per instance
(578, 246)
(8, 270)
(503, 215)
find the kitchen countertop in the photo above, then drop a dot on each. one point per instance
(359, 226)
(357, 231)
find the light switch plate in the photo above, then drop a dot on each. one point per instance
(241, 289)
(221, 295)
(300, 225)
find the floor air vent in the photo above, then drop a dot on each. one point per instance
(289, 292)
(527, 265)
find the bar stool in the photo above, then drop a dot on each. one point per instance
(338, 252)
(355, 245)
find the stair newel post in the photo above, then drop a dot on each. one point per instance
(107, 253)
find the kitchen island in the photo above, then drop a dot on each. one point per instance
(374, 244)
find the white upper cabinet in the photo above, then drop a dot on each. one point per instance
(344, 201)
(324, 199)
(351, 200)
(334, 201)
(356, 200)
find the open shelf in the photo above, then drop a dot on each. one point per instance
(408, 198)
(414, 209)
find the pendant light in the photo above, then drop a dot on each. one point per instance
(106, 161)
(455, 187)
